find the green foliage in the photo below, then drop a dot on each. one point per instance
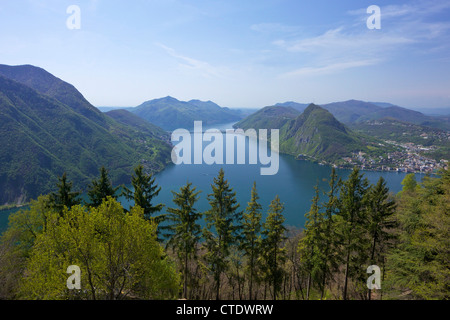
(64, 197)
(117, 253)
(311, 247)
(222, 226)
(184, 232)
(357, 225)
(144, 190)
(351, 228)
(251, 237)
(273, 236)
(101, 189)
(418, 265)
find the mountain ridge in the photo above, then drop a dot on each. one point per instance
(42, 137)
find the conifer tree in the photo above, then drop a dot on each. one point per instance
(100, 189)
(145, 190)
(251, 239)
(64, 197)
(351, 227)
(184, 232)
(310, 248)
(222, 227)
(380, 212)
(329, 247)
(273, 236)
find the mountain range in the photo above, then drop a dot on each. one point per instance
(170, 113)
(47, 128)
(356, 111)
(314, 133)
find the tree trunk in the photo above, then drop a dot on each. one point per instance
(346, 274)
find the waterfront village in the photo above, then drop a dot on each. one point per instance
(408, 158)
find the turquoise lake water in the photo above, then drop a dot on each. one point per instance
(294, 183)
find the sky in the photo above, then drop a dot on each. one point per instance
(237, 53)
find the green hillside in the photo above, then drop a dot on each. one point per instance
(273, 117)
(355, 111)
(314, 134)
(138, 125)
(41, 137)
(170, 113)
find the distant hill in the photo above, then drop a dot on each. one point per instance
(294, 105)
(352, 110)
(273, 117)
(106, 109)
(42, 137)
(170, 113)
(315, 133)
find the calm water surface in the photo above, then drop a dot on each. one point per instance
(294, 183)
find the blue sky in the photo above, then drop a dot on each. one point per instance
(246, 53)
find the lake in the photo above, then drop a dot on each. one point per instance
(294, 183)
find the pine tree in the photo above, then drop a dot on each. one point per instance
(329, 247)
(352, 226)
(251, 239)
(222, 226)
(184, 232)
(145, 190)
(273, 236)
(418, 266)
(64, 197)
(100, 189)
(380, 212)
(310, 245)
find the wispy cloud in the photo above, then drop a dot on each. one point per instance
(328, 69)
(338, 41)
(405, 28)
(192, 64)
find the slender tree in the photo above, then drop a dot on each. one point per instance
(381, 210)
(222, 226)
(251, 238)
(100, 189)
(145, 190)
(273, 236)
(184, 232)
(310, 248)
(64, 197)
(329, 251)
(352, 226)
